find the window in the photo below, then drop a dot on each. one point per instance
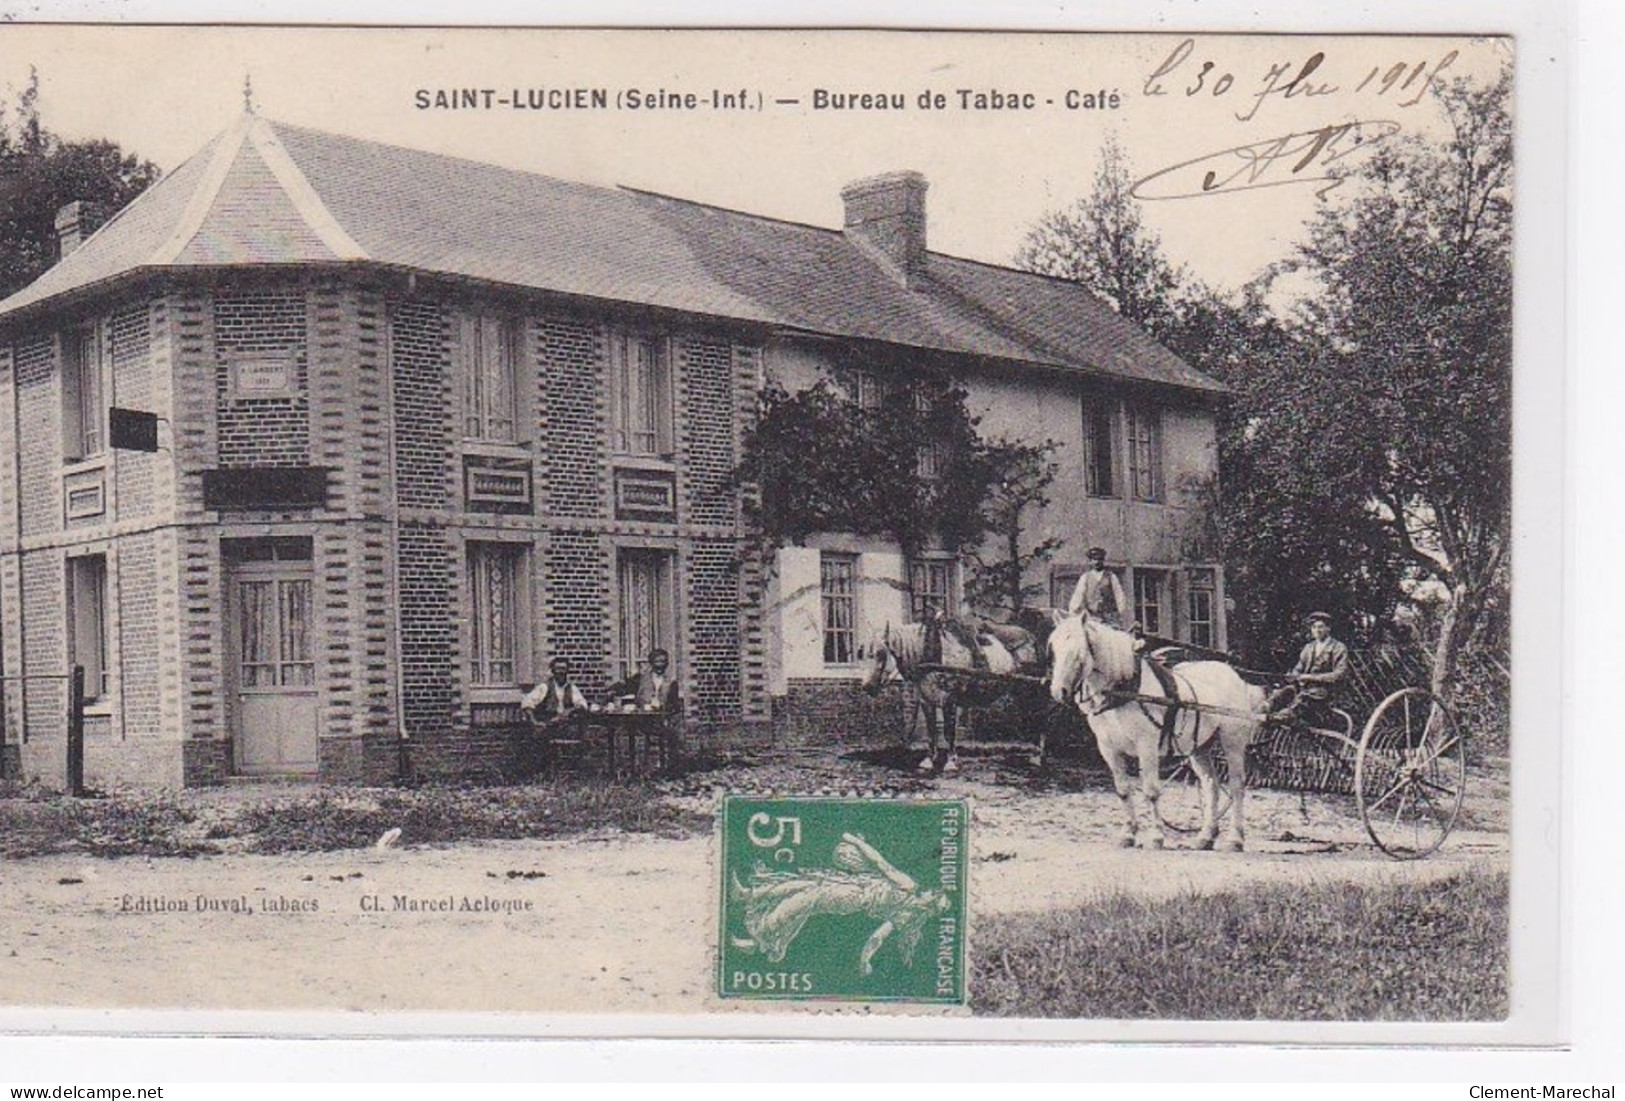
(491, 357)
(647, 621)
(82, 412)
(1145, 454)
(862, 388)
(930, 459)
(931, 587)
(496, 585)
(1149, 585)
(642, 395)
(1099, 448)
(87, 612)
(276, 633)
(837, 584)
(1062, 580)
(1199, 610)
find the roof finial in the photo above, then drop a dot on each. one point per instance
(248, 93)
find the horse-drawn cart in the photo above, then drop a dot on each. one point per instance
(1406, 769)
(1201, 717)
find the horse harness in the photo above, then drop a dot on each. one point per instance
(1170, 701)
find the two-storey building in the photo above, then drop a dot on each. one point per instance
(423, 423)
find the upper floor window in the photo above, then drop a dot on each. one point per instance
(1100, 448)
(491, 358)
(642, 380)
(931, 587)
(837, 586)
(83, 414)
(1145, 454)
(862, 388)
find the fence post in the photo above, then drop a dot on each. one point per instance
(76, 732)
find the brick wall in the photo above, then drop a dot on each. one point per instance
(39, 407)
(135, 386)
(420, 368)
(706, 432)
(136, 583)
(712, 651)
(262, 431)
(577, 616)
(427, 631)
(834, 713)
(573, 463)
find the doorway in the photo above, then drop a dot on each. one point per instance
(271, 657)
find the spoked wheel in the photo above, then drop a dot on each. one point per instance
(1179, 807)
(1410, 773)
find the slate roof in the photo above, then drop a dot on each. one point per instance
(269, 193)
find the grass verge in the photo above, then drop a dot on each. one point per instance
(1426, 952)
(34, 823)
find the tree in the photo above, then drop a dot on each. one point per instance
(1103, 243)
(1412, 330)
(1022, 474)
(912, 469)
(40, 173)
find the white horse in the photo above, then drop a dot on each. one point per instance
(1095, 667)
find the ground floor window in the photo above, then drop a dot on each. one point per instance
(1199, 607)
(87, 613)
(496, 585)
(931, 587)
(1149, 589)
(837, 585)
(648, 618)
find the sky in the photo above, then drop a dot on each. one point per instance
(994, 170)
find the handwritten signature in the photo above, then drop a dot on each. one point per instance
(1301, 158)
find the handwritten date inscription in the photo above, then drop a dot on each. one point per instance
(1184, 72)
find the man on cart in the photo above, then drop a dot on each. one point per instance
(1322, 665)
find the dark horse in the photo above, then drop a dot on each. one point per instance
(974, 647)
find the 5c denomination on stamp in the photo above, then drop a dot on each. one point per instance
(846, 899)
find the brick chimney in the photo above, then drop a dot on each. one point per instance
(885, 217)
(76, 221)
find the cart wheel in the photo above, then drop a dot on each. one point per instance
(1179, 808)
(1410, 773)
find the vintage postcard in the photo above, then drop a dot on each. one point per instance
(764, 533)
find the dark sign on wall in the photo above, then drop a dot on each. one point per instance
(132, 430)
(265, 487)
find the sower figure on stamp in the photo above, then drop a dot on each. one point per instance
(1322, 665)
(1099, 593)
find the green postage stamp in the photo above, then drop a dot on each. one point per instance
(845, 899)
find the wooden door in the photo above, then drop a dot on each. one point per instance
(272, 626)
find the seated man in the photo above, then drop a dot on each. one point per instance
(1323, 664)
(652, 686)
(556, 698)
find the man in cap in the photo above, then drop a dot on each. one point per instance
(1322, 665)
(555, 698)
(654, 688)
(1098, 592)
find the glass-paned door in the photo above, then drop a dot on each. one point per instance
(273, 635)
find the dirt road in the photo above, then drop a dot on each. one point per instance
(611, 923)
